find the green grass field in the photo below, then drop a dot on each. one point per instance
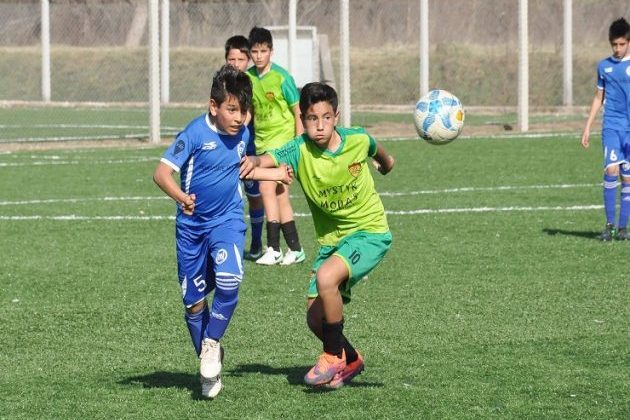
(496, 300)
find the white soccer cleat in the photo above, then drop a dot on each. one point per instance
(293, 257)
(210, 388)
(210, 359)
(270, 257)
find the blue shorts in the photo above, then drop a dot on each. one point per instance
(616, 146)
(251, 187)
(205, 252)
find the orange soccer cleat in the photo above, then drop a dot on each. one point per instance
(327, 366)
(345, 376)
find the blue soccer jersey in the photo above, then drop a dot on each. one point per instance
(208, 161)
(613, 76)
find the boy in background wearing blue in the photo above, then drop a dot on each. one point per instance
(209, 226)
(330, 164)
(613, 93)
(276, 121)
(237, 54)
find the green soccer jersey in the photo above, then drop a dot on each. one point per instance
(338, 185)
(275, 94)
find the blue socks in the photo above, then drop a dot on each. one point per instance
(624, 211)
(223, 305)
(610, 197)
(197, 324)
(256, 218)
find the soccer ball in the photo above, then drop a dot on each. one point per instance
(439, 117)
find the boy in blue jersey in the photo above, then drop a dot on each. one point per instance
(237, 54)
(613, 91)
(209, 227)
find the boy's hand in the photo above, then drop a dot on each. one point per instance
(386, 167)
(585, 136)
(188, 204)
(248, 163)
(287, 172)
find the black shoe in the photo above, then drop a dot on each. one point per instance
(623, 235)
(609, 233)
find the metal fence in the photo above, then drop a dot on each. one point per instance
(99, 48)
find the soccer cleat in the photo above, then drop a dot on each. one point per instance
(609, 233)
(327, 366)
(253, 255)
(270, 257)
(623, 235)
(210, 387)
(293, 257)
(345, 376)
(210, 359)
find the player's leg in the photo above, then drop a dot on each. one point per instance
(226, 250)
(361, 252)
(315, 321)
(295, 253)
(329, 276)
(611, 143)
(624, 201)
(256, 219)
(192, 268)
(273, 254)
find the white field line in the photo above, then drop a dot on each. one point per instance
(113, 126)
(383, 194)
(73, 217)
(77, 162)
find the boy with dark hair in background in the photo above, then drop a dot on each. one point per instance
(276, 121)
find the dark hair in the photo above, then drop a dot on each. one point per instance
(237, 42)
(619, 29)
(260, 36)
(229, 81)
(315, 92)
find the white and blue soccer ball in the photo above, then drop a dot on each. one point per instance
(439, 117)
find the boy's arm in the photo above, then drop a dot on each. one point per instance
(595, 107)
(282, 173)
(248, 163)
(299, 128)
(383, 161)
(163, 177)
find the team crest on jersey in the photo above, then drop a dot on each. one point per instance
(270, 96)
(221, 256)
(628, 71)
(211, 145)
(179, 146)
(241, 148)
(354, 169)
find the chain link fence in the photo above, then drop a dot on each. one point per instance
(99, 50)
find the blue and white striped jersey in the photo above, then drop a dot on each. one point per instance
(208, 161)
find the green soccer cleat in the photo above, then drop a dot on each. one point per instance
(609, 233)
(293, 257)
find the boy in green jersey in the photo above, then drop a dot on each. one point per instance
(330, 164)
(276, 121)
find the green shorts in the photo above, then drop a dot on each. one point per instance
(360, 251)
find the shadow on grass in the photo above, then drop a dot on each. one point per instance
(294, 375)
(167, 380)
(576, 233)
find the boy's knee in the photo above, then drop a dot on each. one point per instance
(197, 307)
(612, 170)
